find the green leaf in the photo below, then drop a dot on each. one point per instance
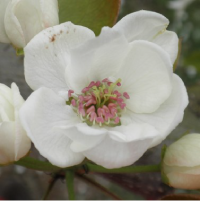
(93, 14)
(181, 198)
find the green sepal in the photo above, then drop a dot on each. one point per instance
(19, 51)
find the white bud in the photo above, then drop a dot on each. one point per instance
(181, 163)
(14, 143)
(21, 20)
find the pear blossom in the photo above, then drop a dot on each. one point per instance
(107, 98)
(21, 20)
(14, 143)
(181, 164)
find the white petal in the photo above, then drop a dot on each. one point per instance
(184, 152)
(132, 132)
(146, 76)
(12, 25)
(169, 42)
(3, 36)
(184, 181)
(6, 106)
(169, 115)
(41, 116)
(114, 154)
(97, 59)
(22, 142)
(47, 55)
(49, 11)
(85, 137)
(142, 25)
(7, 136)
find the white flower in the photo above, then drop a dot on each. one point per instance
(21, 20)
(74, 74)
(181, 163)
(14, 143)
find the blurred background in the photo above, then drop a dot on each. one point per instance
(20, 183)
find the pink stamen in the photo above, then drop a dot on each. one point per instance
(125, 94)
(105, 91)
(70, 92)
(85, 89)
(122, 105)
(91, 109)
(73, 102)
(98, 83)
(81, 109)
(93, 116)
(91, 84)
(120, 100)
(100, 120)
(100, 106)
(117, 120)
(81, 99)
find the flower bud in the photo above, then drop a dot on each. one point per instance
(181, 163)
(21, 20)
(14, 143)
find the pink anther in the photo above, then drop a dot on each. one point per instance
(91, 109)
(85, 89)
(125, 94)
(93, 116)
(73, 102)
(81, 109)
(117, 120)
(90, 102)
(98, 83)
(70, 92)
(100, 120)
(120, 100)
(119, 84)
(122, 105)
(81, 99)
(91, 84)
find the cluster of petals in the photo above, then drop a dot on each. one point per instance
(62, 61)
(21, 20)
(14, 143)
(181, 163)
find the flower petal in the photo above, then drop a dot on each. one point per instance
(12, 25)
(97, 59)
(179, 155)
(49, 11)
(169, 42)
(47, 55)
(85, 137)
(141, 25)
(22, 142)
(132, 132)
(184, 181)
(146, 76)
(168, 116)
(3, 36)
(41, 116)
(114, 154)
(7, 133)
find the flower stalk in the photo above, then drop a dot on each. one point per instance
(70, 184)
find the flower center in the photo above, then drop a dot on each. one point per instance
(100, 103)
